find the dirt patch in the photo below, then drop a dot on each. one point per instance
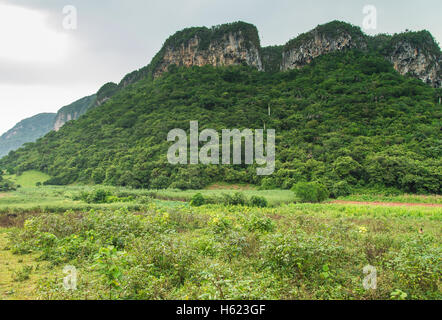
(275, 217)
(231, 187)
(12, 220)
(4, 195)
(389, 204)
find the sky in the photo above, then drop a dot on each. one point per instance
(49, 59)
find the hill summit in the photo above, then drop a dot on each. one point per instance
(413, 53)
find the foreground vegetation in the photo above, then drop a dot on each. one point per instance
(136, 247)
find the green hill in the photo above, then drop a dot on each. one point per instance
(348, 120)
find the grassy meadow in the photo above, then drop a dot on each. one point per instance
(152, 244)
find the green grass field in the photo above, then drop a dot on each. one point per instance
(151, 244)
(28, 179)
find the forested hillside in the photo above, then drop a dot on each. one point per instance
(348, 120)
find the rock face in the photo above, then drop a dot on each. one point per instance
(413, 53)
(332, 37)
(64, 117)
(230, 48)
(105, 93)
(420, 61)
(73, 111)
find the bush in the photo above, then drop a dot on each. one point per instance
(6, 185)
(97, 196)
(257, 201)
(260, 223)
(197, 200)
(237, 199)
(311, 192)
(418, 265)
(102, 196)
(340, 189)
(300, 253)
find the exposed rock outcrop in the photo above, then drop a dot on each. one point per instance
(413, 53)
(225, 45)
(105, 93)
(73, 111)
(331, 37)
(416, 54)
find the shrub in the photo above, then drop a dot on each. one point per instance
(237, 199)
(301, 253)
(23, 274)
(6, 185)
(257, 201)
(311, 192)
(418, 266)
(102, 196)
(340, 189)
(259, 223)
(97, 196)
(197, 200)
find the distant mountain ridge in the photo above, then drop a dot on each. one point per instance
(28, 130)
(33, 128)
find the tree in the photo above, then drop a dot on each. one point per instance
(6, 185)
(311, 192)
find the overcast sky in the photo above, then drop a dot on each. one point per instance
(44, 67)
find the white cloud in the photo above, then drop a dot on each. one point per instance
(26, 37)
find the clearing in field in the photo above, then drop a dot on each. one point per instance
(29, 178)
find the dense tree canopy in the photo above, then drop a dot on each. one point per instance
(347, 120)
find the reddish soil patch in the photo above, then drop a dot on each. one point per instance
(216, 186)
(389, 204)
(2, 195)
(12, 220)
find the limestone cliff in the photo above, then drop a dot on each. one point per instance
(331, 37)
(73, 111)
(105, 93)
(413, 53)
(416, 54)
(230, 44)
